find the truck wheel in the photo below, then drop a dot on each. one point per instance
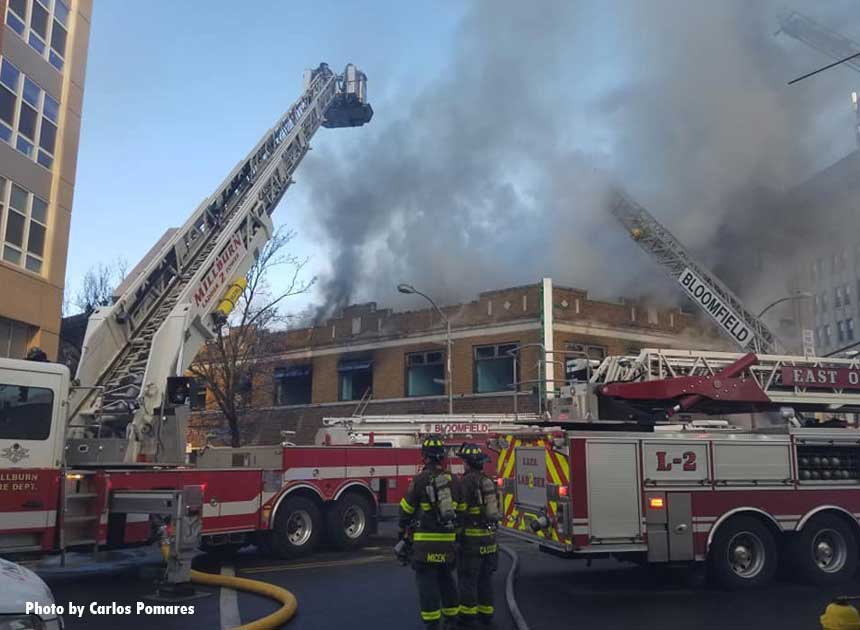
(743, 554)
(297, 527)
(349, 521)
(825, 551)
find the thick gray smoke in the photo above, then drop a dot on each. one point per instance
(496, 172)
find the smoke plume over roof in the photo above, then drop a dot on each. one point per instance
(496, 172)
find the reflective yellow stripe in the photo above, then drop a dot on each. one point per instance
(404, 505)
(486, 610)
(434, 537)
(433, 615)
(425, 506)
(475, 510)
(478, 532)
(462, 506)
(468, 610)
(451, 612)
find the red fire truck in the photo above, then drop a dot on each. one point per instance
(745, 500)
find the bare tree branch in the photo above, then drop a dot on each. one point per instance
(229, 364)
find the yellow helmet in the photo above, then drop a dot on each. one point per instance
(433, 447)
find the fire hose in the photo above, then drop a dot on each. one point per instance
(289, 604)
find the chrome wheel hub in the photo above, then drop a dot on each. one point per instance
(829, 550)
(299, 528)
(746, 555)
(354, 522)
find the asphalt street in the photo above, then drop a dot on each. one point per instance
(335, 590)
(368, 589)
(611, 595)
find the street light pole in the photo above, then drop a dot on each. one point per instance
(409, 289)
(794, 296)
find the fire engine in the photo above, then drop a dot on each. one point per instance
(94, 461)
(628, 476)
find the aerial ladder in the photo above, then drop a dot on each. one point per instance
(152, 332)
(703, 287)
(824, 40)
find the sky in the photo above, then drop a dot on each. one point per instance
(175, 96)
(499, 129)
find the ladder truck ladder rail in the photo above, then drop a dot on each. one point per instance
(819, 37)
(157, 326)
(766, 372)
(673, 257)
(199, 236)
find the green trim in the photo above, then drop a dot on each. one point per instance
(406, 507)
(478, 532)
(433, 615)
(451, 612)
(486, 610)
(434, 537)
(468, 610)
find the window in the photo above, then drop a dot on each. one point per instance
(39, 22)
(826, 331)
(14, 338)
(812, 275)
(293, 385)
(817, 337)
(25, 412)
(824, 302)
(816, 304)
(846, 295)
(24, 224)
(425, 374)
(840, 330)
(28, 116)
(837, 297)
(849, 329)
(494, 368)
(819, 268)
(591, 351)
(355, 378)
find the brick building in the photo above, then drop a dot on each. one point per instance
(395, 361)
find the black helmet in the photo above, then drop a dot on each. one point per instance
(472, 455)
(433, 448)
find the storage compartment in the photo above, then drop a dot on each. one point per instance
(831, 464)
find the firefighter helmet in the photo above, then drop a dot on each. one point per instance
(472, 455)
(433, 448)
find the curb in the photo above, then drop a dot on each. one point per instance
(519, 620)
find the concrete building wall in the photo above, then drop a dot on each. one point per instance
(35, 274)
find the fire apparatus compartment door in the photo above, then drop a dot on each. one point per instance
(680, 513)
(531, 477)
(613, 491)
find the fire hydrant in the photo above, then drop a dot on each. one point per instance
(840, 615)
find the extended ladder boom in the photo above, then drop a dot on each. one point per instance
(162, 319)
(703, 287)
(820, 38)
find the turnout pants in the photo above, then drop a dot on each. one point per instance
(476, 586)
(437, 592)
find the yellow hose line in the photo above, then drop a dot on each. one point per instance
(276, 619)
(269, 622)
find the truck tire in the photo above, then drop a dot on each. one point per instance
(825, 551)
(349, 521)
(743, 554)
(297, 527)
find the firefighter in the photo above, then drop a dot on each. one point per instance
(479, 556)
(428, 513)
